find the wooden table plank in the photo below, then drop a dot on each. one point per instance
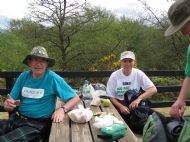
(85, 132)
(81, 132)
(95, 131)
(60, 131)
(130, 136)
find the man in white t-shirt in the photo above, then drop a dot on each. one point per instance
(128, 79)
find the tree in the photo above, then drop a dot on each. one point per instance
(30, 32)
(175, 42)
(63, 19)
(12, 52)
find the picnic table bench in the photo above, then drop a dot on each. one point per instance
(69, 131)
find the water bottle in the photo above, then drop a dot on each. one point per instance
(86, 91)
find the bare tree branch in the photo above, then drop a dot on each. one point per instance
(63, 18)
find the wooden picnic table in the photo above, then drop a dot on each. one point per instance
(69, 131)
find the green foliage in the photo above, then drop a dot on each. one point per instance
(167, 81)
(12, 52)
(28, 31)
(112, 36)
(103, 36)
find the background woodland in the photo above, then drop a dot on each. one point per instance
(85, 38)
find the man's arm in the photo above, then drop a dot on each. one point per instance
(121, 107)
(178, 108)
(147, 94)
(58, 115)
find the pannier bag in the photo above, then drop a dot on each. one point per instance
(159, 128)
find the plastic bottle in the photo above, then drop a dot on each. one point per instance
(86, 91)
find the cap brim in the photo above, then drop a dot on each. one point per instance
(51, 61)
(173, 29)
(127, 58)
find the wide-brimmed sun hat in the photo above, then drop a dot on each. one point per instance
(179, 15)
(127, 54)
(41, 52)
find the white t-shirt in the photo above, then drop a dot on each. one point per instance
(119, 83)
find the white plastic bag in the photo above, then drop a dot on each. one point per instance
(99, 93)
(105, 120)
(80, 115)
(96, 101)
(91, 90)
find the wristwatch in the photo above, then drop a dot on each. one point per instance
(64, 109)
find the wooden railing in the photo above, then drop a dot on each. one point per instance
(10, 77)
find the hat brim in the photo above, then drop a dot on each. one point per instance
(173, 29)
(127, 57)
(51, 61)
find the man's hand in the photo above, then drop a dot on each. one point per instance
(135, 103)
(177, 109)
(124, 109)
(10, 103)
(58, 115)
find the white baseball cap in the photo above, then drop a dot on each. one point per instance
(127, 54)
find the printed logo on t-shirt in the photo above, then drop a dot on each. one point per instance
(32, 93)
(126, 83)
(120, 91)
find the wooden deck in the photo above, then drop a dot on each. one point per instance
(69, 131)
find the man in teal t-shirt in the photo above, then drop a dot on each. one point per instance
(179, 16)
(35, 93)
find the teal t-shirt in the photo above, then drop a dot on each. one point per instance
(38, 96)
(187, 69)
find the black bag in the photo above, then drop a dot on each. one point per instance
(139, 116)
(131, 95)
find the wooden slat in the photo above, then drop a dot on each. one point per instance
(95, 131)
(174, 88)
(165, 104)
(171, 73)
(2, 109)
(161, 89)
(4, 91)
(60, 131)
(130, 136)
(80, 132)
(74, 74)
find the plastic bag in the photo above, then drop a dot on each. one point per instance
(113, 132)
(80, 115)
(105, 120)
(96, 101)
(99, 90)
